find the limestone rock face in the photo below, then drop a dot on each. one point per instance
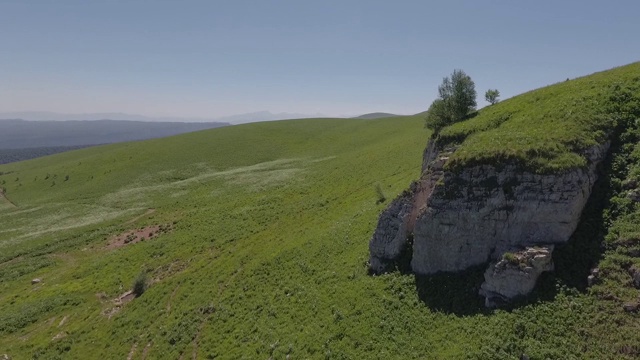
(397, 221)
(483, 211)
(515, 275)
(474, 215)
(390, 236)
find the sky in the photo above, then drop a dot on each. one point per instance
(338, 58)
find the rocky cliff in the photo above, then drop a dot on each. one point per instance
(451, 221)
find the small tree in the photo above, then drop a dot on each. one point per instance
(381, 196)
(437, 115)
(140, 284)
(457, 99)
(492, 96)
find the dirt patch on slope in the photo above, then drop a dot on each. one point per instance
(137, 235)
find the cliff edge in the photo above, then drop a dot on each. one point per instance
(508, 184)
(462, 219)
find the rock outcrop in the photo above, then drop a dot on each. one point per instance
(391, 233)
(635, 276)
(515, 274)
(474, 215)
(397, 222)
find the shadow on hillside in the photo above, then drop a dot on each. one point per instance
(457, 293)
(575, 259)
(453, 293)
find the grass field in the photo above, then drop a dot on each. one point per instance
(544, 129)
(263, 254)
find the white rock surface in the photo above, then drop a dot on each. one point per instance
(483, 211)
(515, 276)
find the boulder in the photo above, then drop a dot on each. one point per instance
(515, 274)
(631, 307)
(635, 276)
(593, 277)
(634, 195)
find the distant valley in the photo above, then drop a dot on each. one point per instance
(22, 140)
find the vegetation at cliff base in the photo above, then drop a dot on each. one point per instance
(253, 242)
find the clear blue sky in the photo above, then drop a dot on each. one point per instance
(214, 58)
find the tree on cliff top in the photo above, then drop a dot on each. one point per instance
(492, 96)
(457, 98)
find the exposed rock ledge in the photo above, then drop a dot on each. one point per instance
(458, 220)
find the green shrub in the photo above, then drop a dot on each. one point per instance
(511, 258)
(492, 96)
(140, 284)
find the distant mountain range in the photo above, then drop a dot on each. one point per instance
(376, 115)
(264, 116)
(232, 119)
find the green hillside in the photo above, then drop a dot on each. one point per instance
(260, 235)
(545, 129)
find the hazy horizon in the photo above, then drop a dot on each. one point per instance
(236, 118)
(232, 119)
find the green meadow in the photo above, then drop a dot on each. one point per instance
(264, 243)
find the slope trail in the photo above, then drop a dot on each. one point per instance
(4, 196)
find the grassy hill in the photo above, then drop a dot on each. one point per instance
(545, 129)
(258, 249)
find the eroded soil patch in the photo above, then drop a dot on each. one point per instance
(138, 235)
